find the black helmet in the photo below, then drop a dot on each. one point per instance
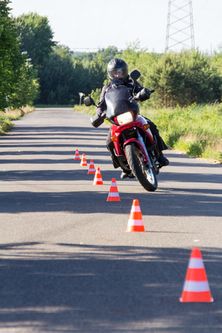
(117, 69)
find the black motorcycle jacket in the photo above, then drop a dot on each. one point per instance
(134, 88)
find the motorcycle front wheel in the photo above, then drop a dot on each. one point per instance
(145, 175)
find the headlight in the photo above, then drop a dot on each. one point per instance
(125, 118)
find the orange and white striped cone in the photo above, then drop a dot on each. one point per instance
(113, 194)
(91, 170)
(98, 177)
(196, 287)
(135, 222)
(83, 160)
(76, 156)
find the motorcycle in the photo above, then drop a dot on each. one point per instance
(134, 145)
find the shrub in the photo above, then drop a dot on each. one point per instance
(185, 78)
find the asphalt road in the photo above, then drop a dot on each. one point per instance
(67, 263)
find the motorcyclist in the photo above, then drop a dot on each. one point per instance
(117, 71)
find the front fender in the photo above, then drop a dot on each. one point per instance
(139, 145)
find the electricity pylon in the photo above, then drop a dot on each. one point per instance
(180, 30)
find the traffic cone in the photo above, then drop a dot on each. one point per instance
(98, 177)
(76, 156)
(196, 287)
(135, 222)
(92, 169)
(83, 160)
(113, 192)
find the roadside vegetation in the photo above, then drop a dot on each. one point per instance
(18, 78)
(34, 69)
(8, 116)
(195, 130)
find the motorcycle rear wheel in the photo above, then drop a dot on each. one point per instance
(146, 176)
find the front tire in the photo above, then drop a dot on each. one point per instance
(146, 176)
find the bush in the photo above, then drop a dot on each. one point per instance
(5, 124)
(185, 78)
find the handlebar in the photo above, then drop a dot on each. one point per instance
(96, 121)
(143, 95)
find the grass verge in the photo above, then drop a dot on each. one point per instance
(8, 116)
(195, 130)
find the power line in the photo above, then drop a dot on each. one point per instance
(86, 49)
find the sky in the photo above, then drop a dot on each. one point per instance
(93, 24)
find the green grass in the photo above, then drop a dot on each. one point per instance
(87, 109)
(5, 124)
(7, 117)
(195, 130)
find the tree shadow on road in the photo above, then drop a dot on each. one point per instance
(162, 203)
(191, 177)
(89, 288)
(60, 130)
(66, 158)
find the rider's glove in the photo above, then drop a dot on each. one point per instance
(143, 95)
(99, 112)
(98, 119)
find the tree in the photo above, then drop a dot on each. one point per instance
(36, 37)
(58, 78)
(26, 88)
(217, 61)
(18, 84)
(108, 53)
(185, 78)
(10, 57)
(142, 61)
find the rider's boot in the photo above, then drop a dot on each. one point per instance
(124, 175)
(163, 160)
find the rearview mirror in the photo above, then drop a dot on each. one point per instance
(88, 101)
(135, 75)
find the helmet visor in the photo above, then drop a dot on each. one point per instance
(118, 73)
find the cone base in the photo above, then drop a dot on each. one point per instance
(98, 183)
(91, 173)
(196, 297)
(136, 228)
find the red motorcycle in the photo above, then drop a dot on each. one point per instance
(134, 146)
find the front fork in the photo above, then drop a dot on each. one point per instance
(140, 138)
(140, 142)
(148, 161)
